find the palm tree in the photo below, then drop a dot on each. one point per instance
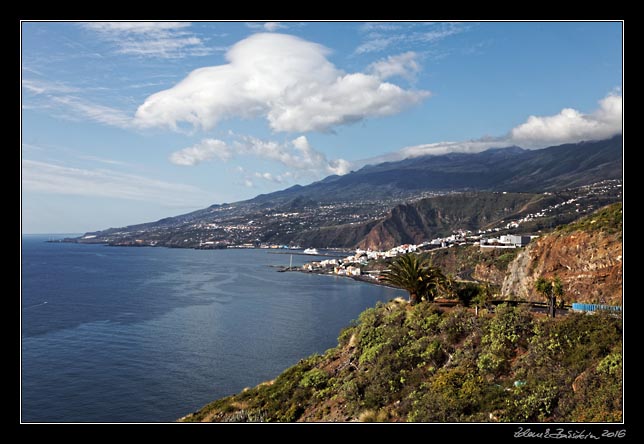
(448, 285)
(415, 274)
(438, 283)
(483, 297)
(550, 289)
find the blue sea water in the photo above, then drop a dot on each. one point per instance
(114, 334)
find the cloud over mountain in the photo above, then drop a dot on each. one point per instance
(571, 125)
(567, 126)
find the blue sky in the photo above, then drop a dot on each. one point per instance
(129, 122)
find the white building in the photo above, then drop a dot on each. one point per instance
(353, 271)
(506, 241)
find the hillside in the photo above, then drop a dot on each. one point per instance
(440, 216)
(586, 255)
(362, 207)
(431, 364)
(419, 363)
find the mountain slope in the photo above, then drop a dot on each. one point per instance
(341, 211)
(440, 216)
(503, 169)
(569, 165)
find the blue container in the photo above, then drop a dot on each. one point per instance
(578, 306)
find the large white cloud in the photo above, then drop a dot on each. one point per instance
(283, 78)
(571, 125)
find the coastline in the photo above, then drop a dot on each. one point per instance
(360, 278)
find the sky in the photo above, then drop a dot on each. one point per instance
(130, 122)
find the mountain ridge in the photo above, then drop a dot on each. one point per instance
(495, 169)
(323, 209)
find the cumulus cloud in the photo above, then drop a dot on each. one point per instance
(205, 150)
(56, 179)
(283, 78)
(151, 39)
(275, 178)
(297, 154)
(404, 65)
(571, 125)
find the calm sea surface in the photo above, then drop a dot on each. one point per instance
(115, 334)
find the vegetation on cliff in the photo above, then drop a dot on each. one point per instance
(402, 362)
(607, 220)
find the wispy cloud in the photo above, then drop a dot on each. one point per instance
(56, 179)
(151, 39)
(283, 78)
(266, 26)
(45, 87)
(103, 160)
(383, 36)
(76, 108)
(65, 100)
(31, 147)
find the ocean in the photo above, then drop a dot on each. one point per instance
(118, 334)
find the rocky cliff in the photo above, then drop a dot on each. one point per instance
(470, 262)
(442, 215)
(586, 256)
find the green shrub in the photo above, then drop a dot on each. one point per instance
(314, 378)
(423, 364)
